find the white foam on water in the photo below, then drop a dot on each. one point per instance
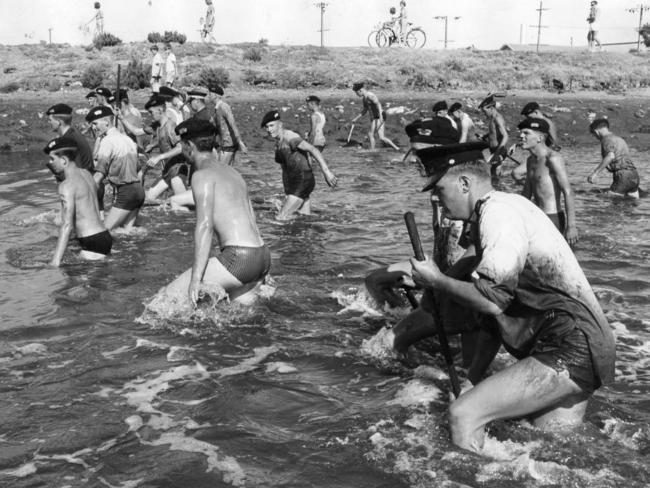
(147, 344)
(356, 300)
(116, 352)
(280, 367)
(26, 469)
(178, 353)
(430, 373)
(380, 346)
(30, 349)
(249, 364)
(49, 217)
(123, 484)
(416, 393)
(135, 231)
(633, 436)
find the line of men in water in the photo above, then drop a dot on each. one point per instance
(518, 284)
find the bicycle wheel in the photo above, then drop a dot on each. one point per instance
(416, 38)
(385, 37)
(372, 38)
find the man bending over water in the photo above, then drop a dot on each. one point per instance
(546, 178)
(616, 159)
(528, 280)
(371, 104)
(223, 208)
(79, 206)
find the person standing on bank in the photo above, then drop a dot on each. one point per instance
(170, 66)
(157, 65)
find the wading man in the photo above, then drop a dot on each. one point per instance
(616, 159)
(291, 153)
(230, 140)
(528, 280)
(497, 136)
(116, 159)
(372, 106)
(79, 207)
(546, 178)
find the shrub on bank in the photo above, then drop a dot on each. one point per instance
(93, 76)
(136, 74)
(168, 36)
(211, 77)
(253, 54)
(106, 39)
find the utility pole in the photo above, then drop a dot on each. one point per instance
(321, 6)
(445, 19)
(50, 31)
(634, 10)
(521, 33)
(539, 23)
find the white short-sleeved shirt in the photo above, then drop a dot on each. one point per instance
(157, 65)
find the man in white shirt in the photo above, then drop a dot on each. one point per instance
(157, 64)
(170, 66)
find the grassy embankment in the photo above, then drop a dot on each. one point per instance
(51, 68)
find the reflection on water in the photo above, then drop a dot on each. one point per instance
(281, 394)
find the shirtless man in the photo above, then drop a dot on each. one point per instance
(116, 159)
(528, 281)
(230, 140)
(616, 159)
(371, 104)
(546, 178)
(79, 207)
(497, 136)
(291, 153)
(315, 136)
(223, 208)
(464, 122)
(157, 65)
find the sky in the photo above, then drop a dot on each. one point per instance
(484, 24)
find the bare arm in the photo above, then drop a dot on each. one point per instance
(501, 129)
(67, 221)
(427, 274)
(130, 128)
(230, 120)
(316, 154)
(603, 164)
(175, 151)
(527, 192)
(202, 234)
(313, 122)
(558, 168)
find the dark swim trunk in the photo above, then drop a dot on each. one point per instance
(565, 348)
(100, 243)
(299, 183)
(177, 166)
(559, 221)
(129, 196)
(375, 112)
(625, 181)
(320, 148)
(247, 264)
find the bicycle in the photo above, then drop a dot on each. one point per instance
(386, 34)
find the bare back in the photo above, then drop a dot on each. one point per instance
(495, 131)
(86, 208)
(544, 187)
(232, 215)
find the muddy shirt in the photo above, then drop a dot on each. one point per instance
(225, 122)
(617, 146)
(288, 155)
(117, 158)
(166, 137)
(527, 268)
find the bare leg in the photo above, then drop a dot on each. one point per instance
(228, 157)
(383, 138)
(305, 208)
(182, 200)
(91, 256)
(371, 134)
(155, 191)
(292, 204)
(177, 185)
(523, 389)
(116, 217)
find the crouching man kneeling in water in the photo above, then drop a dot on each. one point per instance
(79, 205)
(545, 313)
(223, 208)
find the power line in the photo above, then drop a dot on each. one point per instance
(539, 23)
(445, 18)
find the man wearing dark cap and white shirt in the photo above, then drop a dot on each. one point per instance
(157, 66)
(372, 106)
(230, 140)
(79, 208)
(547, 181)
(527, 279)
(464, 122)
(116, 159)
(616, 159)
(291, 152)
(223, 208)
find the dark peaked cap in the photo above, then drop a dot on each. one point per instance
(99, 112)
(191, 128)
(105, 92)
(529, 108)
(438, 159)
(488, 102)
(60, 143)
(59, 109)
(270, 117)
(540, 125)
(442, 105)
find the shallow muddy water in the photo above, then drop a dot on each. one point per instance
(281, 395)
